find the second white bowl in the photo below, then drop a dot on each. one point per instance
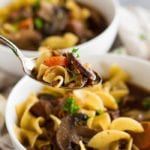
(98, 45)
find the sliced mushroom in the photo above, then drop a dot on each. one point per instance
(114, 114)
(56, 103)
(87, 73)
(80, 75)
(80, 81)
(64, 133)
(47, 97)
(42, 108)
(85, 132)
(55, 17)
(70, 133)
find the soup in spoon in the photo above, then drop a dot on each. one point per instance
(63, 69)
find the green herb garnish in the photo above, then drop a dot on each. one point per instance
(146, 103)
(78, 56)
(99, 112)
(75, 52)
(38, 23)
(71, 106)
(143, 36)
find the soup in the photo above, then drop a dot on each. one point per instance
(136, 104)
(64, 69)
(55, 24)
(93, 118)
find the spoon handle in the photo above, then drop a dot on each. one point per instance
(14, 49)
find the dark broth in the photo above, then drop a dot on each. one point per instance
(138, 100)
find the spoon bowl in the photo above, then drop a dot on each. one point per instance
(28, 65)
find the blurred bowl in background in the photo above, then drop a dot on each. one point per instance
(98, 45)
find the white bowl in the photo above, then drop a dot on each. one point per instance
(98, 45)
(138, 71)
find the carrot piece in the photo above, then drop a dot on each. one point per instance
(26, 23)
(142, 140)
(56, 60)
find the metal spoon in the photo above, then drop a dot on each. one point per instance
(28, 64)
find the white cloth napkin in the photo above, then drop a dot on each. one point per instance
(134, 31)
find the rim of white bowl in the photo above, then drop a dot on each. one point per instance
(7, 116)
(9, 101)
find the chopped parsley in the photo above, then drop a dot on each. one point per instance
(71, 106)
(38, 23)
(146, 103)
(143, 36)
(75, 52)
(78, 55)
